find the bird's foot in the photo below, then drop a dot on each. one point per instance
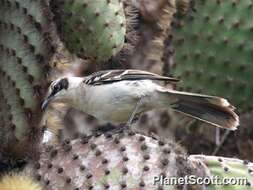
(110, 129)
(120, 129)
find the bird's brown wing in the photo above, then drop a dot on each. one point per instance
(109, 76)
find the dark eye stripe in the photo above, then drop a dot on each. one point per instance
(62, 84)
(56, 89)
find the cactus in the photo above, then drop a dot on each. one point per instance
(227, 168)
(25, 49)
(158, 16)
(162, 123)
(110, 161)
(17, 181)
(213, 52)
(131, 161)
(93, 29)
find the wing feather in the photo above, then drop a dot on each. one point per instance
(109, 76)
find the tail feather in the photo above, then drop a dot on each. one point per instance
(210, 109)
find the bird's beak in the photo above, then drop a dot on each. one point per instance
(46, 102)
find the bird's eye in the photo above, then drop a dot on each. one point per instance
(57, 88)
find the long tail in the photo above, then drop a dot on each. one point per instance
(210, 109)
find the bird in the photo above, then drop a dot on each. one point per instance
(120, 96)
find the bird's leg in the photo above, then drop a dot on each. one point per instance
(136, 108)
(129, 122)
(217, 136)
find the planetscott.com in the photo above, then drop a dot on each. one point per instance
(195, 180)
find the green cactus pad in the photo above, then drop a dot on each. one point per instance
(229, 168)
(93, 29)
(213, 50)
(112, 161)
(25, 50)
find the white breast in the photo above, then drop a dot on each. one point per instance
(116, 101)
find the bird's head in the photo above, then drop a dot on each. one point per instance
(61, 90)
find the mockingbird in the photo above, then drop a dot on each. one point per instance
(118, 96)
